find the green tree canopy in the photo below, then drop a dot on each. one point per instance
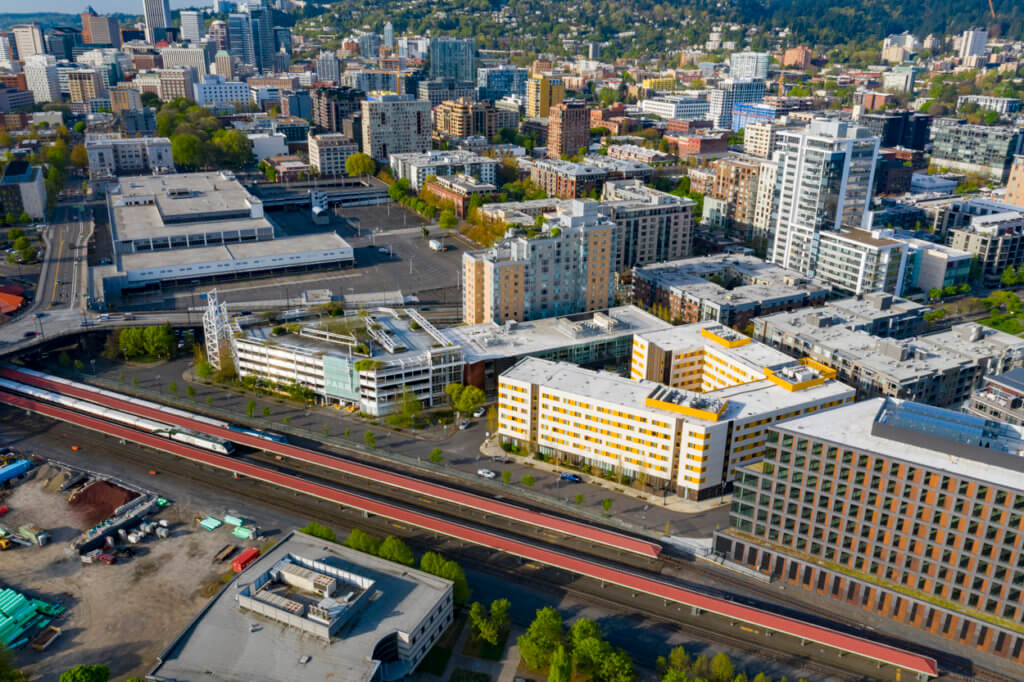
(86, 673)
(465, 399)
(362, 541)
(359, 165)
(538, 644)
(188, 152)
(394, 549)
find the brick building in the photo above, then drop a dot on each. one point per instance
(568, 128)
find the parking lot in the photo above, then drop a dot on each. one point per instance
(391, 255)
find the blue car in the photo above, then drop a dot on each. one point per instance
(572, 478)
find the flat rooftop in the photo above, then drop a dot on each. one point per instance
(1013, 380)
(219, 643)
(490, 341)
(281, 248)
(931, 437)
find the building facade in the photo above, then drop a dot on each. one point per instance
(395, 124)
(416, 168)
(983, 150)
(111, 156)
(568, 128)
(328, 153)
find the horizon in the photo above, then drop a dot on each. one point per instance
(101, 6)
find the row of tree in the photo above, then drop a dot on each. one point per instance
(582, 651)
(141, 342)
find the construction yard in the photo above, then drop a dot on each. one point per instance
(119, 614)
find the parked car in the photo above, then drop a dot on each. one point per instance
(480, 411)
(486, 473)
(464, 425)
(572, 478)
(30, 334)
(503, 459)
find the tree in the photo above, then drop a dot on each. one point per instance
(188, 151)
(393, 549)
(529, 480)
(64, 360)
(173, 387)
(190, 391)
(250, 408)
(465, 399)
(159, 341)
(448, 221)
(371, 440)
(606, 504)
(319, 531)
(492, 419)
(360, 165)
(266, 411)
(231, 148)
(561, 666)
(579, 499)
(79, 127)
(362, 541)
(616, 666)
(86, 673)
(22, 243)
(506, 477)
(79, 157)
(679, 658)
(541, 639)
(934, 294)
(1007, 279)
(721, 668)
(409, 406)
(488, 625)
(435, 456)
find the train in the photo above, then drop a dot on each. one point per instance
(11, 373)
(199, 440)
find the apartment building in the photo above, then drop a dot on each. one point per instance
(465, 118)
(765, 203)
(693, 410)
(826, 172)
(541, 92)
(328, 153)
(731, 289)
(1001, 398)
(749, 65)
(700, 146)
(736, 180)
(632, 152)
(216, 90)
(459, 190)
(445, 89)
(41, 78)
(759, 140)
(983, 150)
(453, 58)
(906, 129)
(504, 80)
(1015, 183)
(568, 128)
(395, 124)
(417, 167)
(567, 179)
(189, 57)
(124, 98)
(372, 363)
(112, 155)
(85, 85)
(332, 106)
(994, 235)
(863, 261)
(565, 266)
(728, 94)
(1002, 105)
(904, 510)
(938, 369)
(651, 226)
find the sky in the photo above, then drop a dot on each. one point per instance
(77, 6)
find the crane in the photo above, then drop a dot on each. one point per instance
(991, 9)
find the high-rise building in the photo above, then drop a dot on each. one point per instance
(452, 58)
(825, 176)
(728, 94)
(541, 92)
(759, 139)
(28, 39)
(1015, 182)
(42, 78)
(192, 57)
(64, 42)
(394, 124)
(218, 35)
(903, 510)
(569, 267)
(328, 68)
(331, 106)
(282, 39)
(157, 14)
(416, 168)
(124, 98)
(498, 82)
(85, 85)
(899, 129)
(389, 36)
(748, 65)
(328, 153)
(223, 64)
(97, 30)
(439, 90)
(651, 226)
(972, 42)
(568, 128)
(192, 28)
(261, 24)
(239, 34)
(369, 45)
(736, 180)
(218, 90)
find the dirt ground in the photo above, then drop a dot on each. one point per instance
(121, 616)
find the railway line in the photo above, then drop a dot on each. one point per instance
(740, 615)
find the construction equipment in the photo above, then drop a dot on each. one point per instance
(5, 544)
(991, 9)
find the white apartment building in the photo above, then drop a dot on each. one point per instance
(395, 124)
(216, 90)
(417, 167)
(42, 79)
(862, 261)
(972, 42)
(112, 155)
(678, 107)
(328, 153)
(749, 65)
(28, 39)
(729, 93)
(763, 224)
(824, 182)
(192, 28)
(693, 410)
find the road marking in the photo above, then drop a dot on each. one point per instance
(56, 275)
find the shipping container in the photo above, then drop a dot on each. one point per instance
(233, 520)
(242, 561)
(243, 532)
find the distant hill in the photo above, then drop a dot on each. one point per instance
(48, 19)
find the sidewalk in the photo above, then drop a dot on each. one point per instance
(498, 671)
(490, 448)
